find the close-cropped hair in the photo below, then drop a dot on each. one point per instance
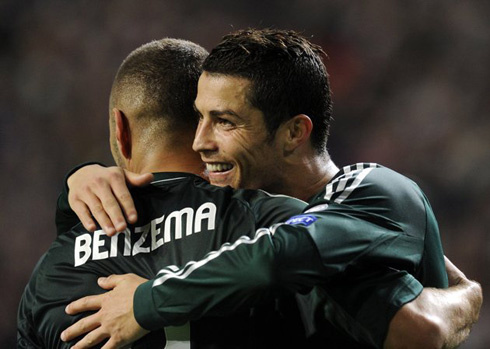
(159, 80)
(287, 74)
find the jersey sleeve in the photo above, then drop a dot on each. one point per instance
(236, 277)
(65, 217)
(346, 237)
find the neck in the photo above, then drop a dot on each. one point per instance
(168, 160)
(309, 176)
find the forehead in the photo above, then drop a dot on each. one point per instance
(223, 92)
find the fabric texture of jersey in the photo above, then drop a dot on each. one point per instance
(361, 249)
(181, 218)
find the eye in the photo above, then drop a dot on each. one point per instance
(225, 122)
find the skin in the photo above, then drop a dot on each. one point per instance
(115, 318)
(232, 137)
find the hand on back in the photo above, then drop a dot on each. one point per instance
(100, 194)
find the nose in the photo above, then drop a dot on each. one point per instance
(204, 139)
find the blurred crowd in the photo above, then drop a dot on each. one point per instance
(409, 80)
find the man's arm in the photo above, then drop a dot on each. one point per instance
(98, 194)
(66, 218)
(114, 320)
(438, 318)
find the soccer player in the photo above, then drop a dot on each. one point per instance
(265, 107)
(152, 123)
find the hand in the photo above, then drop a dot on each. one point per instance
(114, 319)
(102, 192)
(438, 318)
(471, 291)
(454, 275)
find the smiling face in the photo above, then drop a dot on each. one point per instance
(232, 137)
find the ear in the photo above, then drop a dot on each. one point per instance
(298, 131)
(123, 133)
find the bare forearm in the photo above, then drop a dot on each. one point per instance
(463, 305)
(462, 311)
(437, 318)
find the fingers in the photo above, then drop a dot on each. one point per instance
(91, 339)
(112, 281)
(455, 276)
(116, 204)
(109, 282)
(83, 213)
(80, 327)
(109, 345)
(84, 304)
(103, 208)
(112, 344)
(122, 199)
(113, 193)
(101, 193)
(138, 180)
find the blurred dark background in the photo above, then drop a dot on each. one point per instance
(410, 78)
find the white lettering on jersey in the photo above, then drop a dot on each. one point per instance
(175, 220)
(82, 249)
(205, 211)
(155, 231)
(147, 238)
(144, 234)
(97, 244)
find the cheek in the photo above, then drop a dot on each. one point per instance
(238, 147)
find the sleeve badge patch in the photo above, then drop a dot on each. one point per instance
(305, 220)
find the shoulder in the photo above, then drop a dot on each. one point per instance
(260, 201)
(371, 182)
(376, 193)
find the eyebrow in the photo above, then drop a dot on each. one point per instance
(218, 113)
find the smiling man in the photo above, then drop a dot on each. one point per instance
(357, 256)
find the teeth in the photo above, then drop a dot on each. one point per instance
(218, 167)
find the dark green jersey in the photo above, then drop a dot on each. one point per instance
(181, 218)
(361, 249)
